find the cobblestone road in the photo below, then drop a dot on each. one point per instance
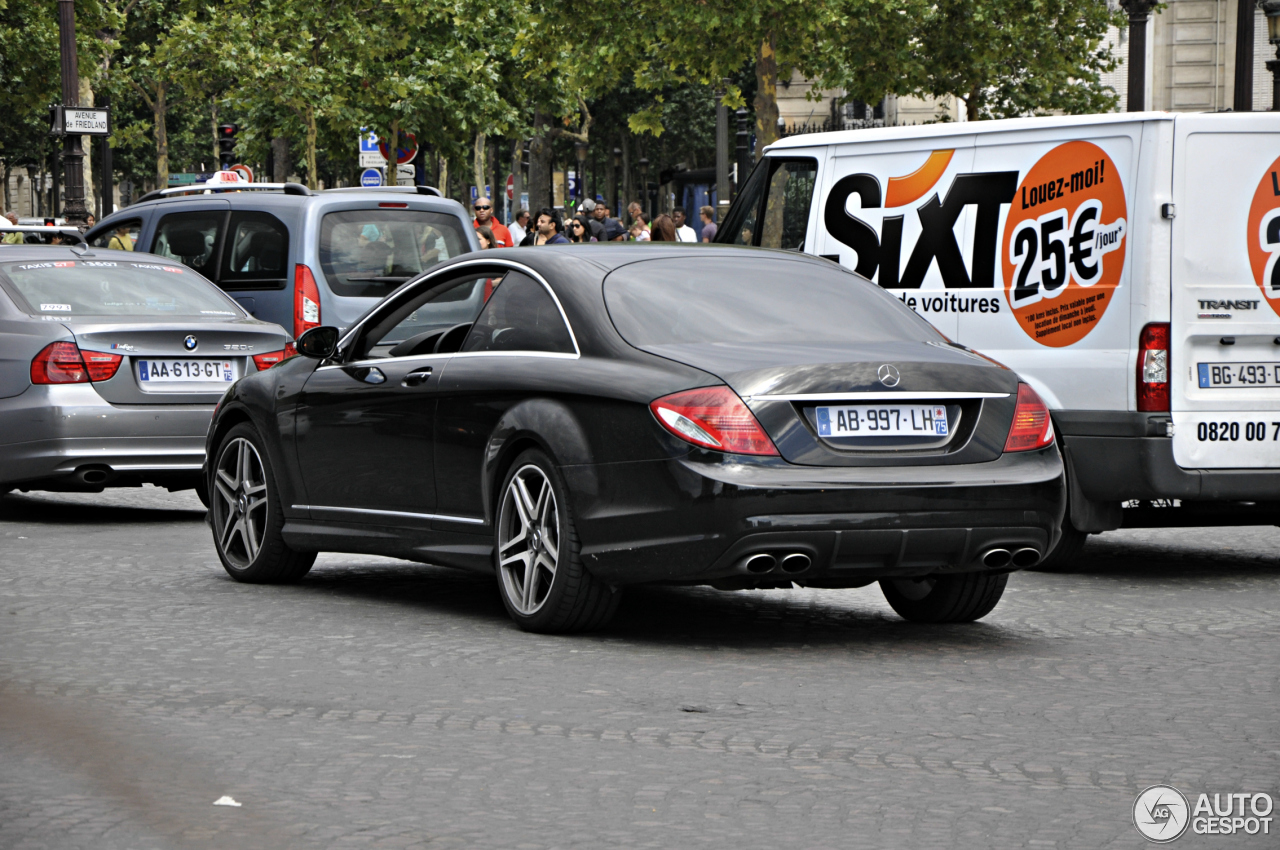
(387, 704)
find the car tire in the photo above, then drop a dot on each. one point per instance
(246, 515)
(544, 585)
(1064, 555)
(959, 598)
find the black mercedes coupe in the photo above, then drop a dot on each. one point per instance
(576, 419)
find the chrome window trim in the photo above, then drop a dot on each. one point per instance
(873, 396)
(409, 514)
(430, 358)
(354, 330)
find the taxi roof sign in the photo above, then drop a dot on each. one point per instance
(224, 177)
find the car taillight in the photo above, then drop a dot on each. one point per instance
(271, 358)
(1032, 428)
(306, 300)
(1153, 368)
(64, 363)
(714, 418)
(102, 366)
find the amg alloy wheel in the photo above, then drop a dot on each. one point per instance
(529, 539)
(544, 584)
(246, 516)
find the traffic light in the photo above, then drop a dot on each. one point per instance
(226, 145)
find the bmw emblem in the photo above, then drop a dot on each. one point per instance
(888, 375)
(191, 342)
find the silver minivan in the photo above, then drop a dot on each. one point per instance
(290, 255)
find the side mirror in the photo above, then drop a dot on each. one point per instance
(319, 343)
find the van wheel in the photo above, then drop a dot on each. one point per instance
(959, 598)
(246, 515)
(1064, 555)
(544, 584)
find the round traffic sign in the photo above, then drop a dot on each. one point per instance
(370, 177)
(245, 172)
(511, 187)
(406, 149)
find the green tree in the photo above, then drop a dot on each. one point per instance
(1005, 58)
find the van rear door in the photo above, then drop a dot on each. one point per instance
(1225, 304)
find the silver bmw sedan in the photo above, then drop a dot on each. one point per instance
(111, 363)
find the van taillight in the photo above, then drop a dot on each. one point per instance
(1153, 368)
(306, 300)
(65, 363)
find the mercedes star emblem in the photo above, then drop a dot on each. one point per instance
(191, 342)
(888, 375)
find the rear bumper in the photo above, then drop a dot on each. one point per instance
(1114, 469)
(49, 437)
(698, 521)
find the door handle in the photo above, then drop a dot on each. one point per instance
(417, 377)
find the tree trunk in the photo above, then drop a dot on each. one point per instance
(628, 187)
(280, 166)
(540, 163)
(971, 104)
(87, 145)
(517, 171)
(766, 96)
(312, 177)
(162, 139)
(8, 205)
(477, 165)
(444, 176)
(213, 128)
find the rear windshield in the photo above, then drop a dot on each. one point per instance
(369, 253)
(110, 288)
(755, 299)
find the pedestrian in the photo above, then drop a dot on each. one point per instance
(519, 227)
(90, 220)
(484, 217)
(709, 226)
(635, 211)
(613, 229)
(595, 226)
(639, 233)
(547, 229)
(684, 233)
(486, 237)
(12, 237)
(663, 229)
(580, 230)
(122, 240)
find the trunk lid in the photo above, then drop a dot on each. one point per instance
(222, 352)
(785, 385)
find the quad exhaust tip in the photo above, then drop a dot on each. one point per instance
(792, 563)
(1027, 557)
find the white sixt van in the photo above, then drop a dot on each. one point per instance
(1124, 265)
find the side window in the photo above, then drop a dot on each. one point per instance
(786, 207)
(191, 238)
(521, 316)
(122, 237)
(431, 322)
(256, 253)
(773, 208)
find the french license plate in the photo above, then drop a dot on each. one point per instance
(185, 371)
(882, 421)
(1216, 376)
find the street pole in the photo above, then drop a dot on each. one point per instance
(1242, 90)
(724, 190)
(107, 197)
(617, 170)
(1139, 11)
(72, 153)
(644, 187)
(744, 142)
(1271, 8)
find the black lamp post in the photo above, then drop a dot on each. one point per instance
(580, 149)
(1271, 8)
(744, 150)
(617, 168)
(72, 153)
(1139, 11)
(644, 182)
